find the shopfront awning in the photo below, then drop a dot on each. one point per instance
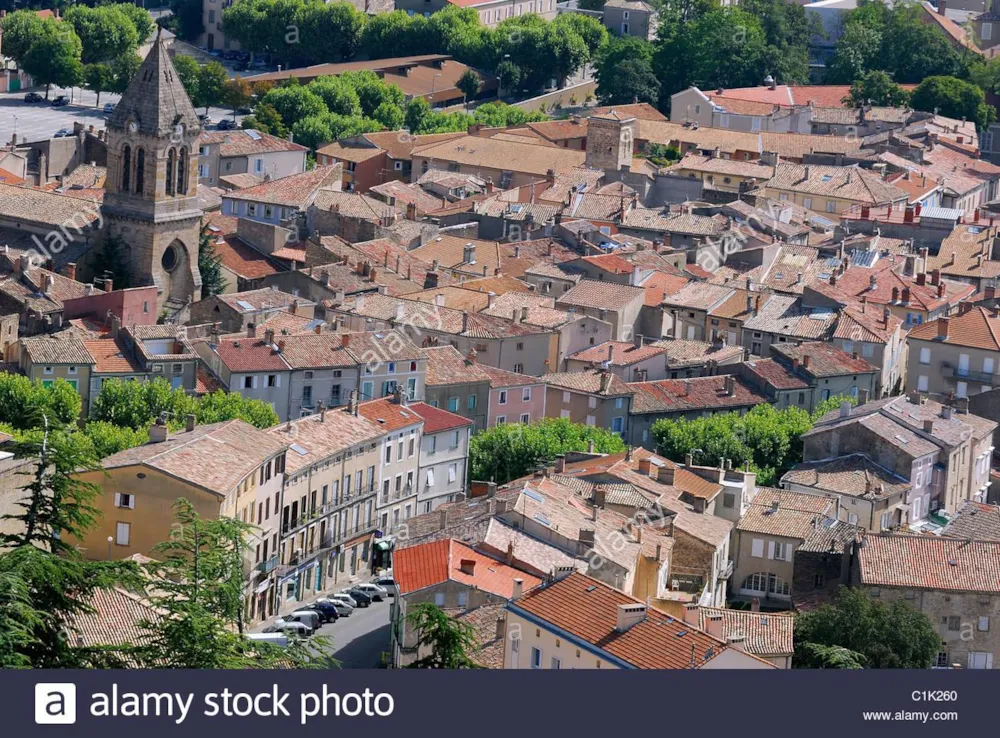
(262, 587)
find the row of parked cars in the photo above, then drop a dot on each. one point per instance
(309, 618)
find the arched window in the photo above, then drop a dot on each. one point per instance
(126, 168)
(182, 172)
(140, 166)
(171, 162)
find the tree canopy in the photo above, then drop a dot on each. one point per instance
(954, 98)
(859, 630)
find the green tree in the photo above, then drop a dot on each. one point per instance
(338, 95)
(876, 88)
(469, 83)
(817, 656)
(508, 75)
(266, 120)
(20, 30)
(110, 261)
(213, 282)
(507, 452)
(54, 57)
(199, 589)
(49, 581)
(220, 406)
(237, 94)
(109, 439)
(329, 31)
(389, 116)
(373, 91)
(105, 32)
(448, 641)
(141, 20)
(787, 32)
(830, 404)
(212, 81)
(99, 78)
(187, 19)
(594, 34)
(294, 103)
(954, 98)
(24, 402)
(189, 72)
(883, 636)
(418, 110)
(624, 72)
(124, 69)
(137, 404)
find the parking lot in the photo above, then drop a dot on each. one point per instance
(39, 121)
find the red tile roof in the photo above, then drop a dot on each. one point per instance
(388, 415)
(697, 393)
(109, 357)
(437, 420)
(250, 355)
(422, 566)
(588, 609)
(824, 359)
(976, 329)
(930, 562)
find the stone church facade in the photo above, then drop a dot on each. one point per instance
(150, 201)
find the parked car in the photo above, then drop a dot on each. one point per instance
(63, 132)
(274, 637)
(206, 120)
(388, 584)
(245, 110)
(33, 97)
(376, 592)
(364, 599)
(60, 101)
(109, 108)
(310, 617)
(344, 608)
(289, 626)
(327, 611)
(226, 124)
(344, 597)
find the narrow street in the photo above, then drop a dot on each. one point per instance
(360, 639)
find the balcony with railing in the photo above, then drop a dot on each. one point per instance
(973, 376)
(268, 565)
(322, 544)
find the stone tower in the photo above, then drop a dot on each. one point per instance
(150, 200)
(610, 140)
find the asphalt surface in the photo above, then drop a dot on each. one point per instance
(359, 640)
(39, 121)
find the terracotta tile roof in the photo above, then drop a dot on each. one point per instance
(876, 285)
(296, 190)
(251, 301)
(400, 195)
(848, 183)
(317, 437)
(723, 167)
(659, 285)
(240, 181)
(490, 153)
(242, 142)
(587, 609)
(56, 350)
(825, 96)
(241, 259)
(684, 395)
(109, 358)
(113, 620)
(428, 564)
(930, 562)
(974, 520)
(437, 420)
(354, 205)
(776, 374)
(215, 457)
(618, 353)
(698, 296)
(489, 650)
(590, 293)
(445, 366)
(779, 512)
(784, 315)
(978, 328)
(965, 253)
(682, 353)
(457, 298)
(766, 633)
(389, 416)
(246, 355)
(87, 176)
(9, 178)
(205, 383)
(855, 324)
(824, 359)
(501, 378)
(589, 382)
(854, 475)
(640, 111)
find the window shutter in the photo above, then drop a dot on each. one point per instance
(131, 502)
(430, 477)
(255, 382)
(118, 499)
(277, 380)
(757, 548)
(770, 549)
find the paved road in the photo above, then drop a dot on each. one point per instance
(39, 121)
(360, 639)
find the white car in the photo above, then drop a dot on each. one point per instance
(387, 583)
(289, 626)
(344, 608)
(346, 597)
(376, 592)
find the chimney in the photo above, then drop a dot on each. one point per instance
(646, 467)
(322, 412)
(805, 361)
(560, 463)
(942, 332)
(189, 422)
(714, 626)
(862, 397)
(501, 631)
(737, 642)
(467, 566)
(895, 294)
(158, 431)
(935, 277)
(906, 295)
(665, 475)
(941, 290)
(845, 409)
(730, 385)
(587, 537)
(71, 271)
(946, 412)
(942, 7)
(251, 330)
(629, 615)
(605, 381)
(269, 336)
(691, 613)
(755, 604)
(921, 279)
(518, 588)
(509, 558)
(929, 426)
(600, 495)
(345, 340)
(109, 284)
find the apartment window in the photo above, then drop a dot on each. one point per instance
(247, 382)
(565, 397)
(502, 419)
(954, 622)
(782, 552)
(411, 388)
(252, 208)
(831, 206)
(432, 444)
(852, 518)
(942, 660)
(592, 402)
(124, 500)
(307, 395)
(367, 390)
(922, 383)
(48, 370)
(123, 534)
(987, 31)
(619, 403)
(502, 398)
(556, 664)
(962, 389)
(453, 404)
(525, 418)
(757, 548)
(987, 365)
(388, 453)
(536, 658)
(268, 211)
(272, 380)
(472, 402)
(518, 368)
(729, 500)
(413, 443)
(807, 203)
(526, 394)
(848, 346)
(983, 624)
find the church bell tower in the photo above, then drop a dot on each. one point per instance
(150, 200)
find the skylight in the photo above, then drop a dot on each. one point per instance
(300, 450)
